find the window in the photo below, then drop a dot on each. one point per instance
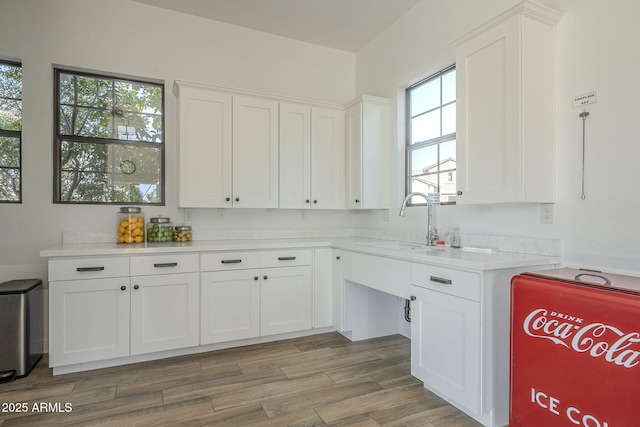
(431, 137)
(10, 132)
(109, 140)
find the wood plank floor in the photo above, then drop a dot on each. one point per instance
(311, 381)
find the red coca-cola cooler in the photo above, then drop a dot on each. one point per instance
(575, 349)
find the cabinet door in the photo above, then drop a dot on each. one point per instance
(286, 300)
(255, 152)
(327, 158)
(322, 287)
(445, 346)
(295, 156)
(230, 306)
(354, 156)
(164, 312)
(204, 149)
(337, 291)
(88, 320)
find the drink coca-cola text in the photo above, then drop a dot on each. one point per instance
(594, 339)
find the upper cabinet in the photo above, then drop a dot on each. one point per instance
(228, 150)
(367, 133)
(311, 157)
(205, 148)
(505, 113)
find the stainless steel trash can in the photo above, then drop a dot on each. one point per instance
(21, 327)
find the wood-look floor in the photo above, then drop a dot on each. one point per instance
(312, 381)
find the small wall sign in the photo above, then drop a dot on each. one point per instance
(584, 99)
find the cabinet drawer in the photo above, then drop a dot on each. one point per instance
(164, 264)
(88, 268)
(285, 258)
(223, 261)
(453, 282)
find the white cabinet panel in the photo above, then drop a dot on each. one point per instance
(327, 158)
(164, 264)
(388, 275)
(286, 300)
(445, 346)
(164, 312)
(205, 148)
(88, 320)
(230, 306)
(88, 268)
(505, 108)
(255, 152)
(295, 156)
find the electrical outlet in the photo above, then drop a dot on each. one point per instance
(188, 214)
(546, 214)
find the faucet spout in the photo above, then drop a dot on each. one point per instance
(432, 232)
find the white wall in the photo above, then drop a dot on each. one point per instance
(130, 38)
(596, 50)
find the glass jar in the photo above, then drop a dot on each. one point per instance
(182, 233)
(130, 225)
(159, 230)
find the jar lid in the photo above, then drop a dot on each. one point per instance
(130, 209)
(183, 228)
(160, 219)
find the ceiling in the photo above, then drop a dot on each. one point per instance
(340, 24)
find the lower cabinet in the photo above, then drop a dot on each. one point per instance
(445, 345)
(164, 312)
(88, 320)
(251, 294)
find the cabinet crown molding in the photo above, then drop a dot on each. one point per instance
(186, 84)
(370, 99)
(527, 8)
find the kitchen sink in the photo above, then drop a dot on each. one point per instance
(398, 246)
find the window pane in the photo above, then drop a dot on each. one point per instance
(9, 152)
(81, 121)
(449, 87)
(425, 97)
(425, 127)
(449, 119)
(427, 184)
(10, 81)
(136, 97)
(10, 114)
(448, 155)
(10, 184)
(140, 127)
(423, 159)
(85, 91)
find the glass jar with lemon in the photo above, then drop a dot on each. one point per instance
(130, 221)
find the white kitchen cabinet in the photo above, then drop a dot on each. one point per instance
(230, 302)
(251, 294)
(255, 152)
(205, 147)
(311, 157)
(367, 153)
(445, 345)
(103, 308)
(88, 320)
(338, 317)
(286, 297)
(505, 108)
(228, 148)
(164, 312)
(323, 264)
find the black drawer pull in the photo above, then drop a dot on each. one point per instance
(286, 258)
(166, 264)
(231, 261)
(83, 269)
(440, 280)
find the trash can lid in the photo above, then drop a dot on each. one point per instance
(21, 286)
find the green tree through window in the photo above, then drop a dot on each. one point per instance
(109, 141)
(10, 132)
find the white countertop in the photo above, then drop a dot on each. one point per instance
(469, 258)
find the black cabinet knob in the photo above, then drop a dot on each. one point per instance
(307, 201)
(264, 277)
(237, 199)
(228, 199)
(413, 298)
(357, 200)
(255, 277)
(123, 288)
(315, 201)
(459, 192)
(136, 287)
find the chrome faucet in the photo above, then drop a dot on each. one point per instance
(432, 232)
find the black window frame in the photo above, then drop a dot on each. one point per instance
(436, 141)
(18, 135)
(58, 137)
